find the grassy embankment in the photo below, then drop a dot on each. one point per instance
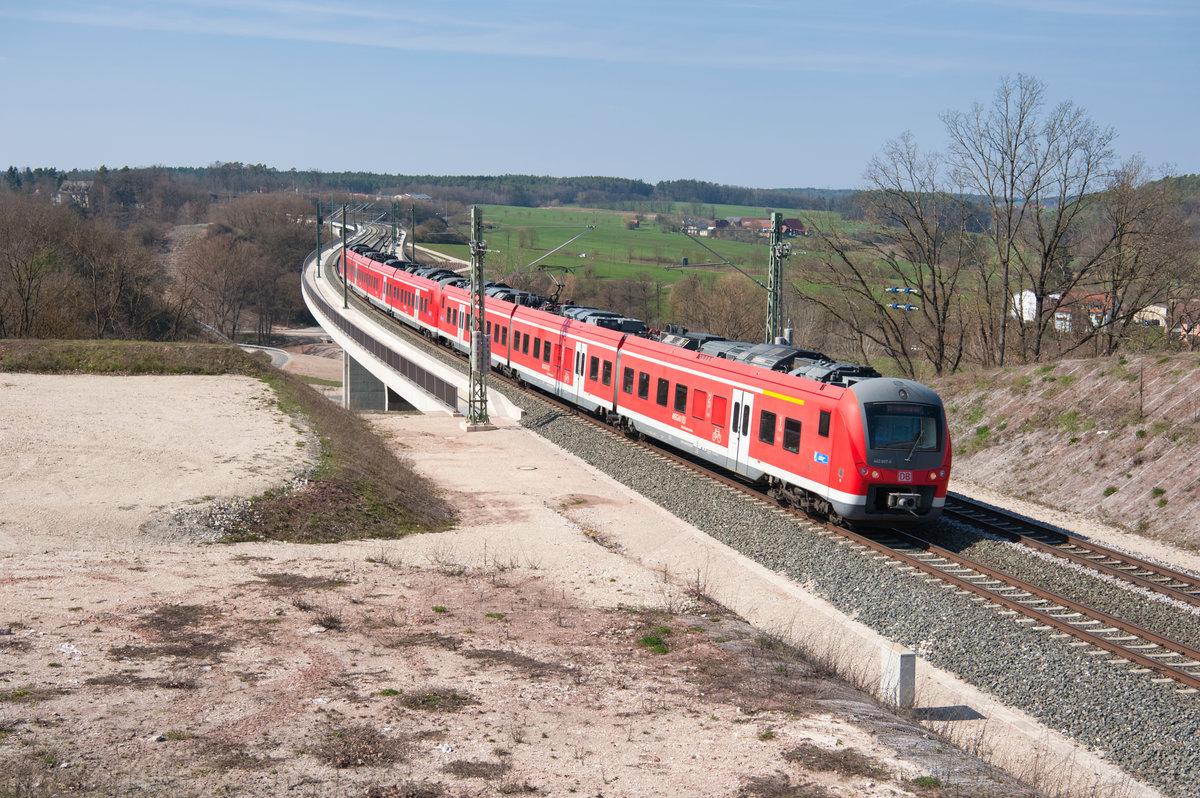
(359, 487)
(1111, 437)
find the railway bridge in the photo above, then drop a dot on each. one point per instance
(382, 370)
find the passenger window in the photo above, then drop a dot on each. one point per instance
(720, 406)
(627, 380)
(737, 412)
(607, 380)
(664, 391)
(537, 348)
(594, 368)
(699, 403)
(489, 329)
(791, 435)
(823, 424)
(546, 352)
(680, 398)
(766, 427)
(525, 344)
(643, 385)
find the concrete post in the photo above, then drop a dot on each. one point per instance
(897, 676)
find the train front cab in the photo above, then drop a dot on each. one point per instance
(901, 453)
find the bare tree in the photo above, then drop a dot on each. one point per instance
(921, 248)
(733, 306)
(119, 283)
(33, 272)
(1146, 253)
(1034, 170)
(221, 269)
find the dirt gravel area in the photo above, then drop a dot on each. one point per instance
(516, 654)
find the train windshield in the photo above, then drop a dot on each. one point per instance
(910, 427)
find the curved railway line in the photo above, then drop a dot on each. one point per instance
(1058, 615)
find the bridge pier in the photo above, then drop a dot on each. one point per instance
(362, 390)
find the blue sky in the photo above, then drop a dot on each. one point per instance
(765, 93)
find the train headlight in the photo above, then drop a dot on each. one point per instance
(862, 470)
(874, 475)
(933, 475)
(942, 472)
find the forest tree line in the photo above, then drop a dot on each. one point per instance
(1024, 240)
(67, 274)
(192, 188)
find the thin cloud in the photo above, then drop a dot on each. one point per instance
(1095, 8)
(654, 39)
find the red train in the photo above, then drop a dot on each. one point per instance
(834, 439)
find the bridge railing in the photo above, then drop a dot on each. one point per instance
(433, 385)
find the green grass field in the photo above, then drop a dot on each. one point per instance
(517, 237)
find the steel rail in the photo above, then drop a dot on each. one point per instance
(1080, 621)
(1151, 576)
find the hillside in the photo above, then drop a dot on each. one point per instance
(1114, 438)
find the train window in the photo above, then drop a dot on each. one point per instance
(546, 352)
(593, 368)
(680, 398)
(516, 340)
(606, 379)
(664, 391)
(503, 336)
(908, 427)
(643, 385)
(823, 424)
(489, 329)
(791, 435)
(627, 380)
(766, 427)
(699, 403)
(579, 362)
(720, 405)
(737, 414)
(525, 344)
(537, 348)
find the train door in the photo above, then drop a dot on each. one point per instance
(739, 428)
(577, 381)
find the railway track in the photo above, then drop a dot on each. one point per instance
(1150, 576)
(1059, 615)
(1148, 651)
(1045, 610)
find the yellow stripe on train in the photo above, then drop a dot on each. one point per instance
(785, 398)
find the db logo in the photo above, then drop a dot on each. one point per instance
(904, 476)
